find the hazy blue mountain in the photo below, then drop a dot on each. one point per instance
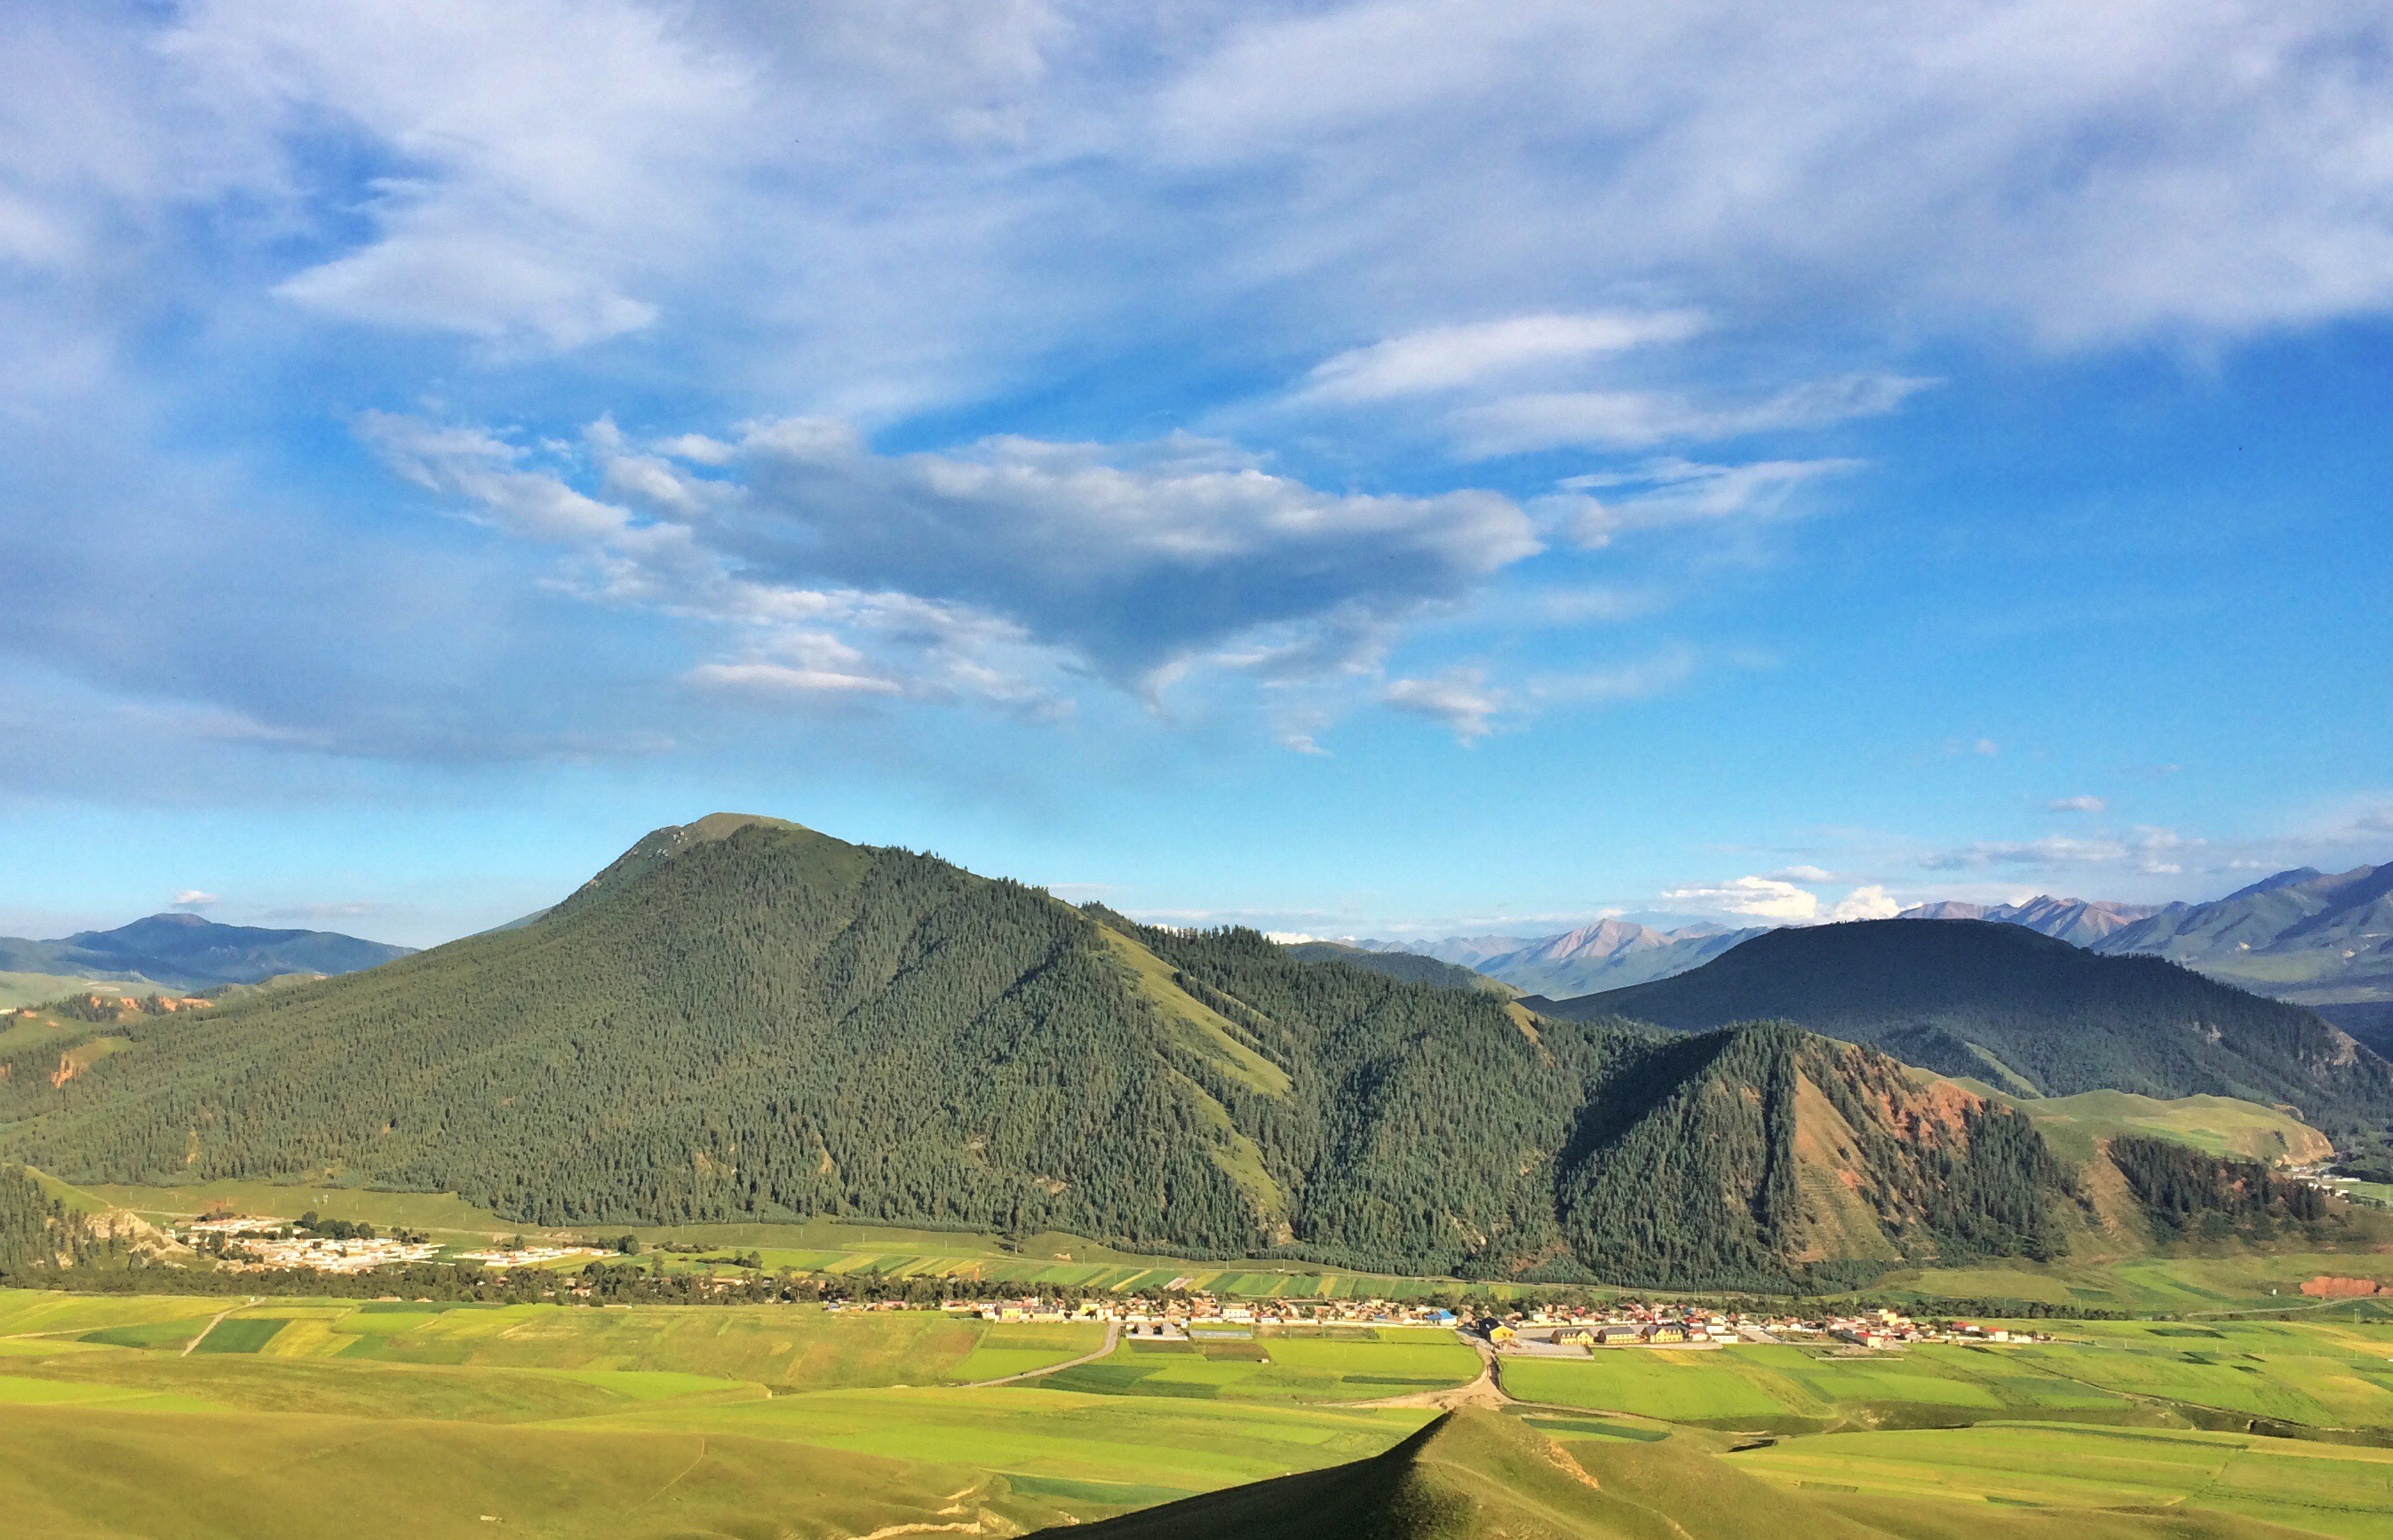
(2318, 938)
(184, 951)
(2027, 1012)
(1610, 954)
(2079, 921)
(1468, 951)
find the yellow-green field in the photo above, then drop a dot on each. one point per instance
(190, 1416)
(194, 1415)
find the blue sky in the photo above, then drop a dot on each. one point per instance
(1394, 468)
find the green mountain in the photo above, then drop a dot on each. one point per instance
(2025, 1012)
(744, 1019)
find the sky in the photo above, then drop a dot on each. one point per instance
(1399, 468)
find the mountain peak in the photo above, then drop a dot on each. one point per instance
(2294, 878)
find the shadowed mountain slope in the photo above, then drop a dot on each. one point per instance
(2023, 1011)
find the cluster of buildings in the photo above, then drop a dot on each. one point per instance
(1572, 1334)
(530, 1254)
(1200, 1314)
(249, 1243)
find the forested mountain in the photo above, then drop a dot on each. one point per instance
(2304, 936)
(744, 1019)
(184, 951)
(2023, 1010)
(1411, 967)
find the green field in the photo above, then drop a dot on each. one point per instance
(1351, 1366)
(393, 1416)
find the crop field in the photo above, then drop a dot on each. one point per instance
(650, 1419)
(1788, 1386)
(1279, 1366)
(290, 1416)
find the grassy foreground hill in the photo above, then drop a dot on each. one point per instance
(1480, 1475)
(2023, 1011)
(745, 1020)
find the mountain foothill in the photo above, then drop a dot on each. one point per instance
(744, 1019)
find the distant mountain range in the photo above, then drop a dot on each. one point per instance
(1610, 954)
(2026, 1013)
(2079, 921)
(184, 951)
(2324, 941)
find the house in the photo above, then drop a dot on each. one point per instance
(1575, 1336)
(1616, 1334)
(1502, 1336)
(1664, 1331)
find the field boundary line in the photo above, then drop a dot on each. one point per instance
(214, 1322)
(1113, 1340)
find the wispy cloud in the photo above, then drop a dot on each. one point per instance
(1636, 419)
(2146, 850)
(1670, 492)
(2077, 804)
(194, 898)
(1444, 358)
(1459, 698)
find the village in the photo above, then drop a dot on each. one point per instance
(1533, 1332)
(255, 1242)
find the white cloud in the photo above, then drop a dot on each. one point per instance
(2077, 804)
(1442, 358)
(1866, 903)
(1754, 897)
(194, 898)
(1803, 874)
(1459, 698)
(2085, 173)
(994, 573)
